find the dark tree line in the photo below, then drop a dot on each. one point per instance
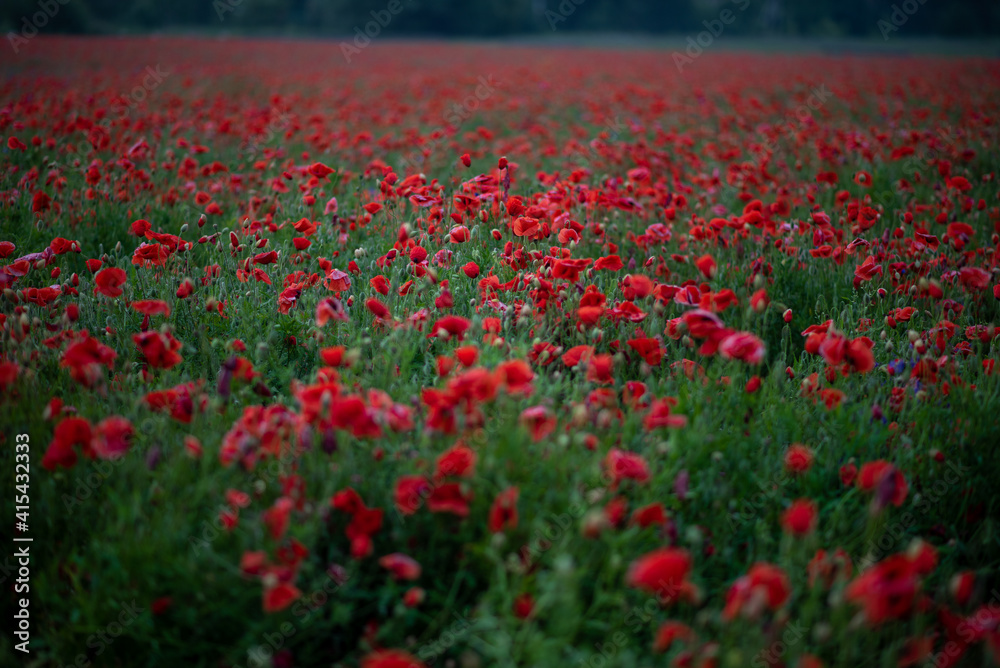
(509, 17)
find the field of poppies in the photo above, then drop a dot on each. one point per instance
(470, 355)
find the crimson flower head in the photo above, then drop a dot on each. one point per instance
(449, 498)
(411, 492)
(764, 587)
(458, 461)
(889, 589)
(742, 346)
(450, 326)
(663, 572)
(280, 596)
(70, 432)
(622, 465)
(159, 349)
(539, 422)
(885, 480)
(391, 658)
(401, 566)
(108, 282)
(800, 518)
(798, 458)
(319, 170)
(86, 359)
(111, 438)
(503, 512)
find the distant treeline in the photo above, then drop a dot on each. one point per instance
(826, 18)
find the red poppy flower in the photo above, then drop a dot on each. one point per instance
(413, 597)
(450, 326)
(600, 369)
(152, 307)
(410, 494)
(319, 170)
(391, 658)
(377, 308)
(401, 566)
(764, 586)
(158, 349)
(503, 512)
(108, 282)
(577, 354)
(648, 349)
(280, 596)
(524, 606)
(467, 355)
(380, 284)
(886, 480)
(660, 415)
(150, 255)
(458, 461)
(663, 572)
(669, 633)
(706, 265)
(742, 346)
(888, 590)
(538, 421)
(798, 458)
(609, 263)
(800, 517)
(516, 376)
(622, 465)
(449, 498)
(85, 359)
(69, 433)
(651, 515)
(111, 438)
